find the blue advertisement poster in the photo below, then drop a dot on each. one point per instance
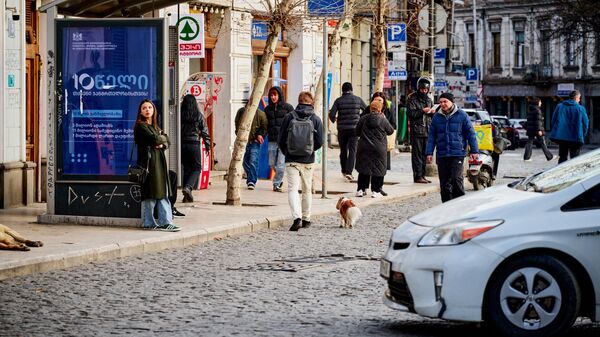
(105, 69)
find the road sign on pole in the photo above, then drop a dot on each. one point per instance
(396, 34)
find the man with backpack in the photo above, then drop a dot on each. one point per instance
(301, 134)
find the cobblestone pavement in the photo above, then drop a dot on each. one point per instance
(266, 283)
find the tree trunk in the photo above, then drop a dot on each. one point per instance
(239, 148)
(380, 50)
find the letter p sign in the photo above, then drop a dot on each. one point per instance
(396, 32)
(472, 74)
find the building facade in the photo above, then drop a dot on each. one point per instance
(517, 59)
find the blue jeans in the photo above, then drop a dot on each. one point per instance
(250, 163)
(277, 162)
(165, 215)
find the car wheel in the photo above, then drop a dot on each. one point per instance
(533, 296)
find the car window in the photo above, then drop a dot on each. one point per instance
(563, 175)
(503, 122)
(589, 199)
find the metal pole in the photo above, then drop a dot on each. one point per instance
(475, 33)
(325, 107)
(432, 30)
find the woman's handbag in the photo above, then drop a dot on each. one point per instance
(137, 173)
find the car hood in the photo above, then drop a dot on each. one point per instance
(488, 204)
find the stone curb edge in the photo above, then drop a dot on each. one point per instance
(169, 241)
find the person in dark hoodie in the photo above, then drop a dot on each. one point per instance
(256, 135)
(298, 141)
(535, 129)
(346, 111)
(373, 129)
(449, 133)
(569, 125)
(193, 128)
(276, 111)
(420, 114)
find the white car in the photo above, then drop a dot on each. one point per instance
(524, 257)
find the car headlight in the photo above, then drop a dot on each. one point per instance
(457, 233)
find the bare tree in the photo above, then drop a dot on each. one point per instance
(576, 19)
(379, 30)
(281, 14)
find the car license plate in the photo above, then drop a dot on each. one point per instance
(384, 268)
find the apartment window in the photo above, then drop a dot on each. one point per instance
(597, 49)
(496, 44)
(545, 47)
(519, 27)
(471, 44)
(570, 51)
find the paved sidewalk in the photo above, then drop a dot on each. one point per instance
(206, 219)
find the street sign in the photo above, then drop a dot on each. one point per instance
(441, 17)
(397, 75)
(440, 85)
(564, 89)
(197, 89)
(472, 74)
(396, 34)
(439, 54)
(190, 30)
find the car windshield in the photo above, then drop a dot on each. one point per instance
(563, 175)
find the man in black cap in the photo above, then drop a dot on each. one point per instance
(346, 111)
(419, 113)
(450, 131)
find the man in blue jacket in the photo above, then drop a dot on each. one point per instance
(449, 133)
(569, 126)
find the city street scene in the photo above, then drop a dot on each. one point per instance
(300, 168)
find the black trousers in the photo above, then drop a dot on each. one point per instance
(191, 159)
(364, 179)
(542, 141)
(173, 182)
(418, 157)
(348, 141)
(450, 172)
(566, 149)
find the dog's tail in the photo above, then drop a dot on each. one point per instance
(354, 213)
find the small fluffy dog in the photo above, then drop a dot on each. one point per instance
(349, 213)
(11, 240)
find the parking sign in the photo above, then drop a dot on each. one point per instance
(472, 74)
(396, 34)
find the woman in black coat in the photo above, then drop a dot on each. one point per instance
(535, 129)
(193, 128)
(373, 129)
(151, 144)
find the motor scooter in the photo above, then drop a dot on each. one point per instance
(480, 172)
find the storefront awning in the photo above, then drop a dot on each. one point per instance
(116, 8)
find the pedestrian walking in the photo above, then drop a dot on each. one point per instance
(420, 114)
(173, 196)
(276, 110)
(346, 111)
(151, 144)
(535, 129)
(258, 129)
(450, 132)
(569, 125)
(193, 129)
(301, 134)
(372, 129)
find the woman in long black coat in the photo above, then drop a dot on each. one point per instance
(151, 144)
(371, 158)
(535, 129)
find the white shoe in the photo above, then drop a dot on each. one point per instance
(376, 195)
(360, 193)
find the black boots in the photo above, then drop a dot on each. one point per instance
(296, 226)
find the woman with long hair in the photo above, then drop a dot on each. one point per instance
(151, 144)
(390, 115)
(193, 128)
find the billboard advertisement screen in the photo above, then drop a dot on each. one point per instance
(104, 70)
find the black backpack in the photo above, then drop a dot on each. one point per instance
(300, 137)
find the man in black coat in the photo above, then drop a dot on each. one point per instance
(420, 114)
(346, 111)
(276, 111)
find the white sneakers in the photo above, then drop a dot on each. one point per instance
(360, 193)
(376, 195)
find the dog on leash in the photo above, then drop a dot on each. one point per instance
(11, 240)
(349, 212)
